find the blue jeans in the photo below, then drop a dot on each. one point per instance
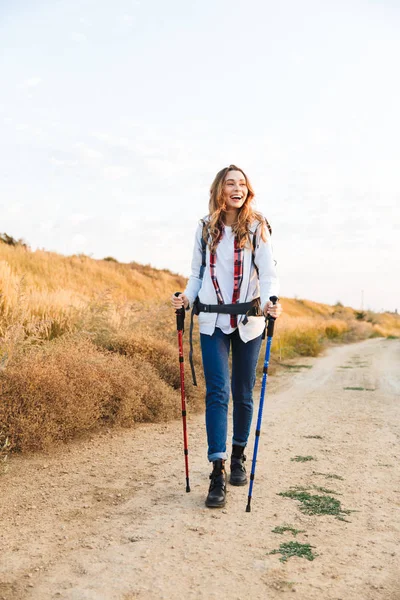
(215, 352)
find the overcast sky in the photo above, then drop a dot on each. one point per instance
(115, 117)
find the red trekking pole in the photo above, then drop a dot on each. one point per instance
(180, 320)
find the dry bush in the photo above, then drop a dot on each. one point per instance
(69, 386)
(307, 336)
(297, 342)
(160, 354)
(358, 330)
(335, 329)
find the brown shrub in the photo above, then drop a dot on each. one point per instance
(69, 386)
(298, 342)
(160, 354)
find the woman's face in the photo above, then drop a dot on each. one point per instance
(234, 190)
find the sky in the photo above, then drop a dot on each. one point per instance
(115, 118)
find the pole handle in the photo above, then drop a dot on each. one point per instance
(271, 320)
(180, 316)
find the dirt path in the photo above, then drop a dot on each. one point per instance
(108, 517)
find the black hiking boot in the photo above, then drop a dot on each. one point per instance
(238, 471)
(217, 492)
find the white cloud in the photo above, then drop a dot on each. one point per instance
(78, 37)
(30, 129)
(78, 241)
(88, 153)
(46, 225)
(127, 222)
(115, 140)
(31, 82)
(78, 218)
(63, 163)
(115, 172)
(127, 19)
(15, 209)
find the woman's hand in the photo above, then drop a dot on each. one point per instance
(179, 301)
(274, 310)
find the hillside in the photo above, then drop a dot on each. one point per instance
(85, 342)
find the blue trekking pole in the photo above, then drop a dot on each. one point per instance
(270, 332)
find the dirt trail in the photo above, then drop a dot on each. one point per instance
(107, 518)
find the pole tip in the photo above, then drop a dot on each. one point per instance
(248, 509)
(188, 488)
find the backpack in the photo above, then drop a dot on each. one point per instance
(204, 247)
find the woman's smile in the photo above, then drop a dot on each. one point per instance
(234, 190)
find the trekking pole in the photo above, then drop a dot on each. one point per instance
(270, 332)
(180, 320)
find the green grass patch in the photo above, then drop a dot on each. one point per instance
(289, 549)
(346, 367)
(302, 458)
(316, 505)
(357, 389)
(392, 337)
(329, 475)
(283, 528)
(313, 437)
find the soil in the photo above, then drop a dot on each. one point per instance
(107, 517)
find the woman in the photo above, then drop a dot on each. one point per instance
(236, 268)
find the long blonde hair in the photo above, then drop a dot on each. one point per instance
(216, 207)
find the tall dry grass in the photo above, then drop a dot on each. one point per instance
(69, 386)
(85, 343)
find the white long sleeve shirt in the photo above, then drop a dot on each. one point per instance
(262, 286)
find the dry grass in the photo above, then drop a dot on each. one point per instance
(86, 342)
(63, 388)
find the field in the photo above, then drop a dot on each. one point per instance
(91, 461)
(90, 343)
(107, 516)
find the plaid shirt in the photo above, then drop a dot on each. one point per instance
(237, 276)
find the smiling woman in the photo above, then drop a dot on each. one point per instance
(234, 193)
(233, 277)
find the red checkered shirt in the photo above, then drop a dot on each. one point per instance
(237, 275)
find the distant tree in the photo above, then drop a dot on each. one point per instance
(110, 259)
(10, 241)
(360, 315)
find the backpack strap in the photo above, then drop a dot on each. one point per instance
(203, 251)
(254, 242)
(194, 307)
